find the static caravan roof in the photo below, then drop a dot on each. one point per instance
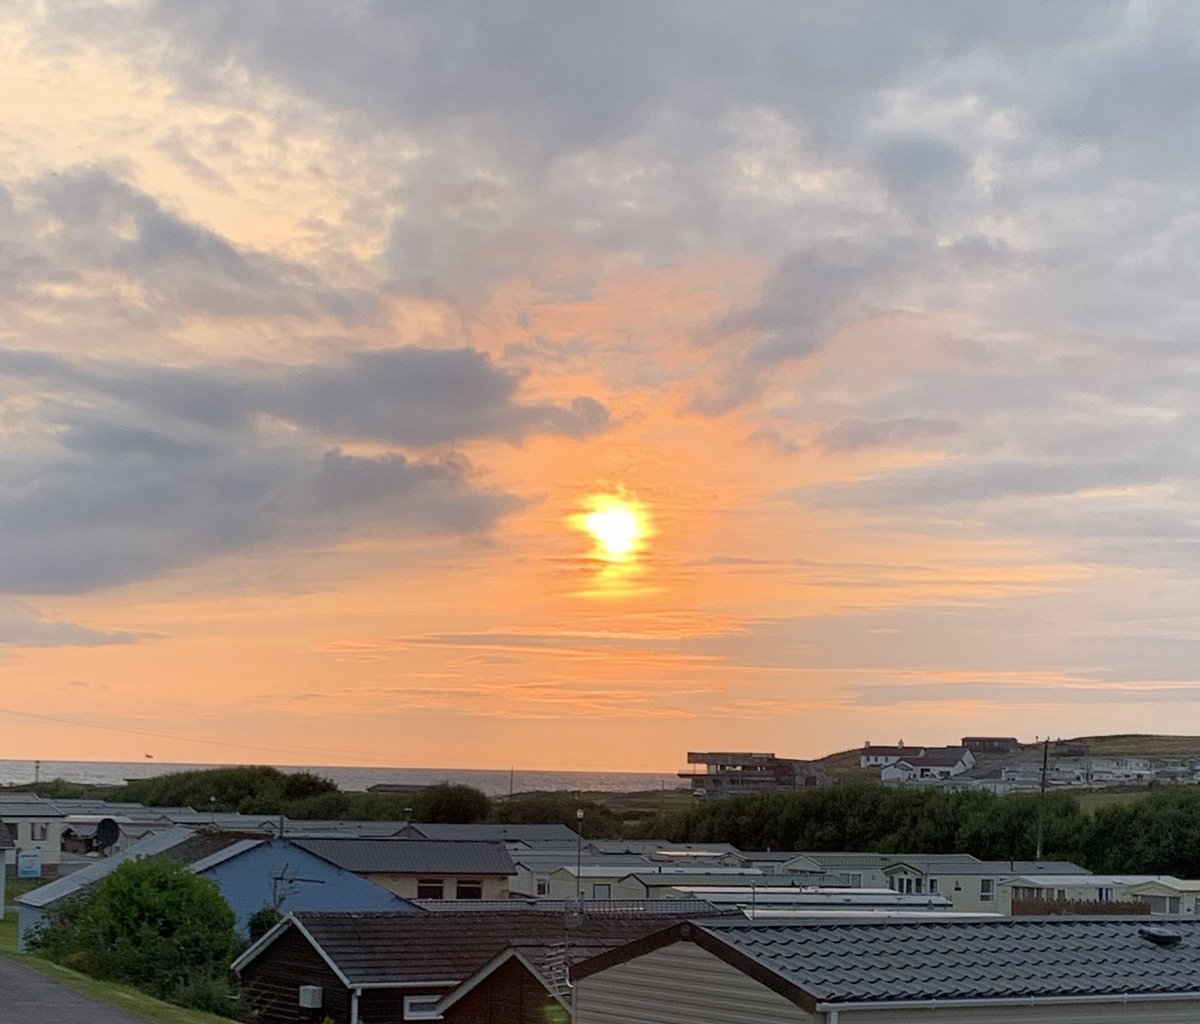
(412, 856)
(1081, 881)
(936, 961)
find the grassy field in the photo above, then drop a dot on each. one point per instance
(1132, 745)
(1090, 802)
(121, 996)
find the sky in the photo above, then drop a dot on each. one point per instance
(563, 385)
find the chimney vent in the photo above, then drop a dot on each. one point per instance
(1160, 936)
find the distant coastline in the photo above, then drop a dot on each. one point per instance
(493, 782)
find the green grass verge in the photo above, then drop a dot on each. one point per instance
(133, 1002)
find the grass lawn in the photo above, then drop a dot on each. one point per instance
(133, 1002)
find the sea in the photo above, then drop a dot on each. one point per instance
(499, 782)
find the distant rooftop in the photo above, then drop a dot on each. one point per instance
(412, 856)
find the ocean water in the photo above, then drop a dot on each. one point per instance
(493, 783)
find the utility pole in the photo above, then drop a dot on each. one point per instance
(579, 858)
(1041, 819)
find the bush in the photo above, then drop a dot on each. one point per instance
(152, 924)
(262, 921)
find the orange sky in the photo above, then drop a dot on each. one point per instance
(312, 358)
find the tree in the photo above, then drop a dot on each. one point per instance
(599, 821)
(152, 924)
(451, 803)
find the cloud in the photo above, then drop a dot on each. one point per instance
(23, 626)
(130, 470)
(84, 225)
(852, 435)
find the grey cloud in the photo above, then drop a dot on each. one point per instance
(76, 521)
(853, 435)
(915, 162)
(23, 626)
(810, 296)
(84, 221)
(981, 481)
(1009, 694)
(410, 396)
(137, 470)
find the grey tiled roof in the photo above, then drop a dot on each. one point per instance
(412, 856)
(491, 832)
(659, 879)
(26, 805)
(845, 861)
(984, 959)
(393, 948)
(676, 908)
(1015, 867)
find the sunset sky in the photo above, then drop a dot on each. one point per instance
(328, 330)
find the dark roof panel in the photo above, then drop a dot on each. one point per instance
(493, 832)
(397, 948)
(412, 856)
(987, 959)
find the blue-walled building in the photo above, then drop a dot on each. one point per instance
(252, 872)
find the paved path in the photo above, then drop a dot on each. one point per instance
(27, 997)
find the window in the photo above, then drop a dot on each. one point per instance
(933, 885)
(39, 832)
(987, 890)
(601, 891)
(468, 889)
(1173, 905)
(421, 1008)
(920, 885)
(543, 887)
(430, 889)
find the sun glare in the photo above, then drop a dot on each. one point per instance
(617, 525)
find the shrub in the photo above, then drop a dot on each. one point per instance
(152, 924)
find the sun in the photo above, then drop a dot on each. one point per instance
(618, 526)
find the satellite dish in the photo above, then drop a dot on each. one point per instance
(107, 833)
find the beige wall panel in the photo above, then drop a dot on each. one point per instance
(680, 984)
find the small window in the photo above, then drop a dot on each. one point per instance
(421, 1008)
(602, 891)
(920, 885)
(468, 889)
(933, 885)
(543, 887)
(987, 890)
(430, 889)
(39, 832)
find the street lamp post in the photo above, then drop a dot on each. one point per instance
(579, 855)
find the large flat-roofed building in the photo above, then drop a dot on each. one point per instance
(737, 773)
